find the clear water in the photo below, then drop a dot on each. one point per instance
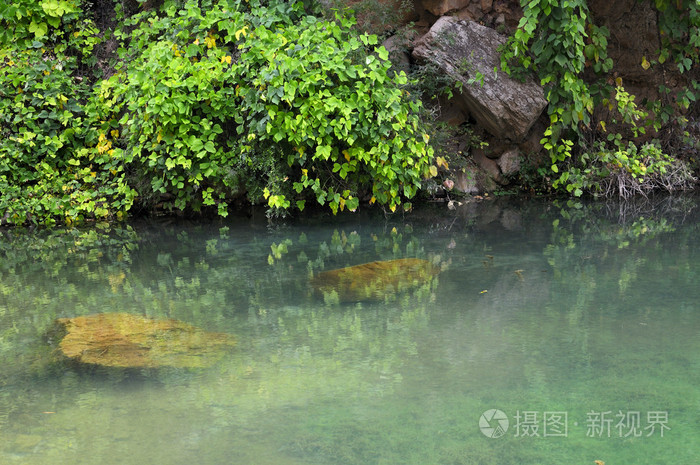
(580, 322)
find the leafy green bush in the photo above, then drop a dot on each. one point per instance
(291, 100)
(210, 100)
(172, 102)
(557, 40)
(27, 22)
(338, 114)
(624, 171)
(679, 24)
(50, 166)
(612, 168)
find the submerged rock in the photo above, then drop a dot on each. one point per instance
(134, 341)
(375, 280)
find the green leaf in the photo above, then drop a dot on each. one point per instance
(195, 144)
(53, 7)
(589, 51)
(192, 50)
(39, 29)
(352, 203)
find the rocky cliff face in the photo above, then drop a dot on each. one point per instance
(461, 38)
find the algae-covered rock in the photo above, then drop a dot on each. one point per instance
(133, 341)
(375, 280)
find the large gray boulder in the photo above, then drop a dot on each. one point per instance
(503, 106)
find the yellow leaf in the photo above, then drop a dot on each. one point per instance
(210, 41)
(645, 63)
(114, 133)
(433, 170)
(342, 204)
(372, 200)
(346, 155)
(618, 81)
(226, 59)
(196, 42)
(305, 172)
(240, 32)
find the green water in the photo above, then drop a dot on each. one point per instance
(579, 322)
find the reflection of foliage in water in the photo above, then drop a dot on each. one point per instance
(622, 261)
(610, 245)
(616, 236)
(41, 273)
(216, 278)
(598, 342)
(360, 346)
(402, 381)
(42, 277)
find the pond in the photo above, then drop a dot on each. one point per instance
(555, 332)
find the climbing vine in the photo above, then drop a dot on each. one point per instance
(562, 45)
